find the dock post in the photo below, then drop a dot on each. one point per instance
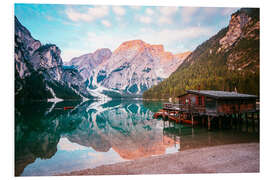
(203, 121)
(234, 121)
(258, 119)
(237, 121)
(246, 118)
(219, 122)
(253, 121)
(163, 115)
(192, 120)
(231, 121)
(209, 123)
(241, 122)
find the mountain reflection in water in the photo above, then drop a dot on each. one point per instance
(50, 140)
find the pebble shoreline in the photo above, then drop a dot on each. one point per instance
(233, 158)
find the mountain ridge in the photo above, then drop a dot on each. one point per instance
(130, 69)
(39, 72)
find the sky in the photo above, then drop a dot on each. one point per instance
(81, 29)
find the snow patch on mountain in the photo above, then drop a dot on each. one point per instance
(54, 99)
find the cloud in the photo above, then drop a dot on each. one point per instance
(49, 18)
(68, 54)
(118, 10)
(164, 20)
(66, 145)
(167, 37)
(145, 19)
(104, 40)
(168, 11)
(106, 23)
(228, 11)
(172, 39)
(149, 11)
(166, 15)
(91, 14)
(135, 7)
(210, 10)
(187, 13)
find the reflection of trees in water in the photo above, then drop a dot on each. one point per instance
(190, 138)
(153, 106)
(37, 132)
(127, 127)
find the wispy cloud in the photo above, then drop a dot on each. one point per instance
(166, 15)
(187, 13)
(164, 20)
(228, 11)
(135, 7)
(91, 14)
(167, 11)
(149, 11)
(88, 28)
(165, 37)
(118, 10)
(106, 23)
(66, 145)
(208, 11)
(158, 15)
(68, 54)
(144, 19)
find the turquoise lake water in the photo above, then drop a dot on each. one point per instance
(50, 140)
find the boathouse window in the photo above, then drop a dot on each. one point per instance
(210, 103)
(199, 100)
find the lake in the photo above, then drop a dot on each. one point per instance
(50, 140)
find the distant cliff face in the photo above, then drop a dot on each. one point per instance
(242, 39)
(39, 71)
(131, 69)
(136, 66)
(228, 60)
(86, 64)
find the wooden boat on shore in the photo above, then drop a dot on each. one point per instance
(173, 116)
(68, 107)
(158, 115)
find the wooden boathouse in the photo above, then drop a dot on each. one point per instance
(213, 108)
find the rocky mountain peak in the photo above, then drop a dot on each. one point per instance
(47, 56)
(131, 69)
(24, 38)
(138, 47)
(102, 54)
(239, 21)
(157, 48)
(133, 45)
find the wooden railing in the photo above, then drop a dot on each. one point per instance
(184, 107)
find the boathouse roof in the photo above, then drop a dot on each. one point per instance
(221, 94)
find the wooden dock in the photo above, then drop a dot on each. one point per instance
(213, 109)
(199, 116)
